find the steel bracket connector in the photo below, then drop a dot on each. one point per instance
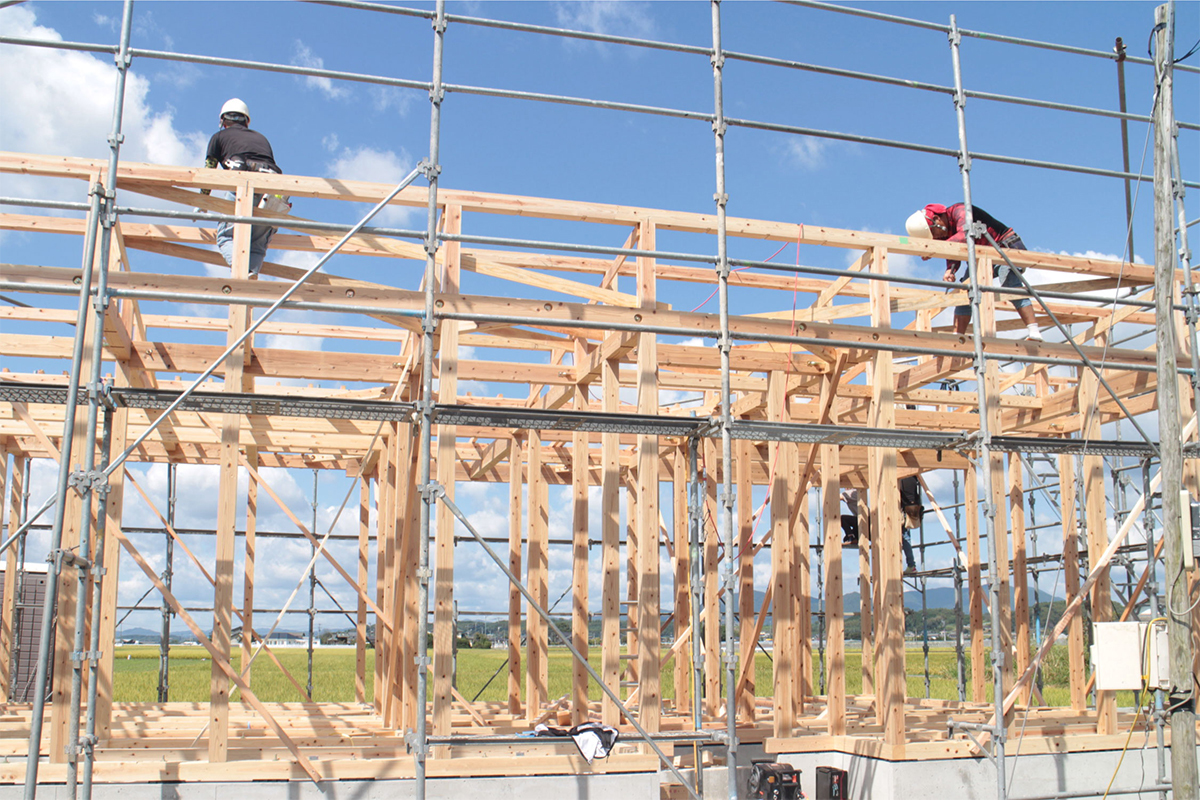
(424, 574)
(415, 744)
(429, 169)
(422, 661)
(80, 481)
(60, 557)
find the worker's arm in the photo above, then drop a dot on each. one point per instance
(209, 163)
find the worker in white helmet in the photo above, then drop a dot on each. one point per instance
(949, 223)
(237, 147)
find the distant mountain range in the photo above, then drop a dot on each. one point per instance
(941, 597)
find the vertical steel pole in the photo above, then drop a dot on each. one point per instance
(985, 436)
(725, 344)
(1155, 614)
(959, 655)
(695, 523)
(89, 738)
(168, 575)
(99, 214)
(1179, 629)
(312, 590)
(428, 326)
(1119, 49)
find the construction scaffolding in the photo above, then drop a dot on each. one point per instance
(801, 402)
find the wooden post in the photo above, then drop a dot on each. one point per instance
(408, 627)
(784, 627)
(579, 560)
(385, 644)
(384, 555)
(743, 458)
(401, 545)
(682, 675)
(248, 569)
(515, 490)
(1095, 516)
(650, 641)
(987, 321)
(835, 648)
(1066, 472)
(802, 595)
(975, 586)
(866, 602)
(447, 438)
(882, 464)
(360, 617)
(610, 538)
(536, 666)
(239, 320)
(712, 614)
(7, 613)
(1016, 513)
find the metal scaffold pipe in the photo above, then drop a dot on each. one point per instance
(725, 345)
(999, 655)
(419, 742)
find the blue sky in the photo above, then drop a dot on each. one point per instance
(60, 103)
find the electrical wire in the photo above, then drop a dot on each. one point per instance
(1141, 700)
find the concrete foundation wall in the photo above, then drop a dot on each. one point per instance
(975, 779)
(627, 786)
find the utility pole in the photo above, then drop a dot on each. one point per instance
(1181, 708)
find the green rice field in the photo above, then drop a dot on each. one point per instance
(136, 674)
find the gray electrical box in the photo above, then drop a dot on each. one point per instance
(1122, 653)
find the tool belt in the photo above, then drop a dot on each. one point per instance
(250, 164)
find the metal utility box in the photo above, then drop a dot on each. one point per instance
(1122, 653)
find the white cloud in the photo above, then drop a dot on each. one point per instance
(65, 102)
(303, 57)
(806, 152)
(330, 142)
(377, 166)
(388, 97)
(612, 17)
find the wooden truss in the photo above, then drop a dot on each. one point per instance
(593, 337)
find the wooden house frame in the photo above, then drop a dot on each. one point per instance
(799, 401)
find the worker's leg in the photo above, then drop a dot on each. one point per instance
(908, 551)
(225, 235)
(1023, 306)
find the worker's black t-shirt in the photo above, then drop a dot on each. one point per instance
(239, 141)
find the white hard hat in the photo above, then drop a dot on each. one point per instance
(918, 225)
(235, 106)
